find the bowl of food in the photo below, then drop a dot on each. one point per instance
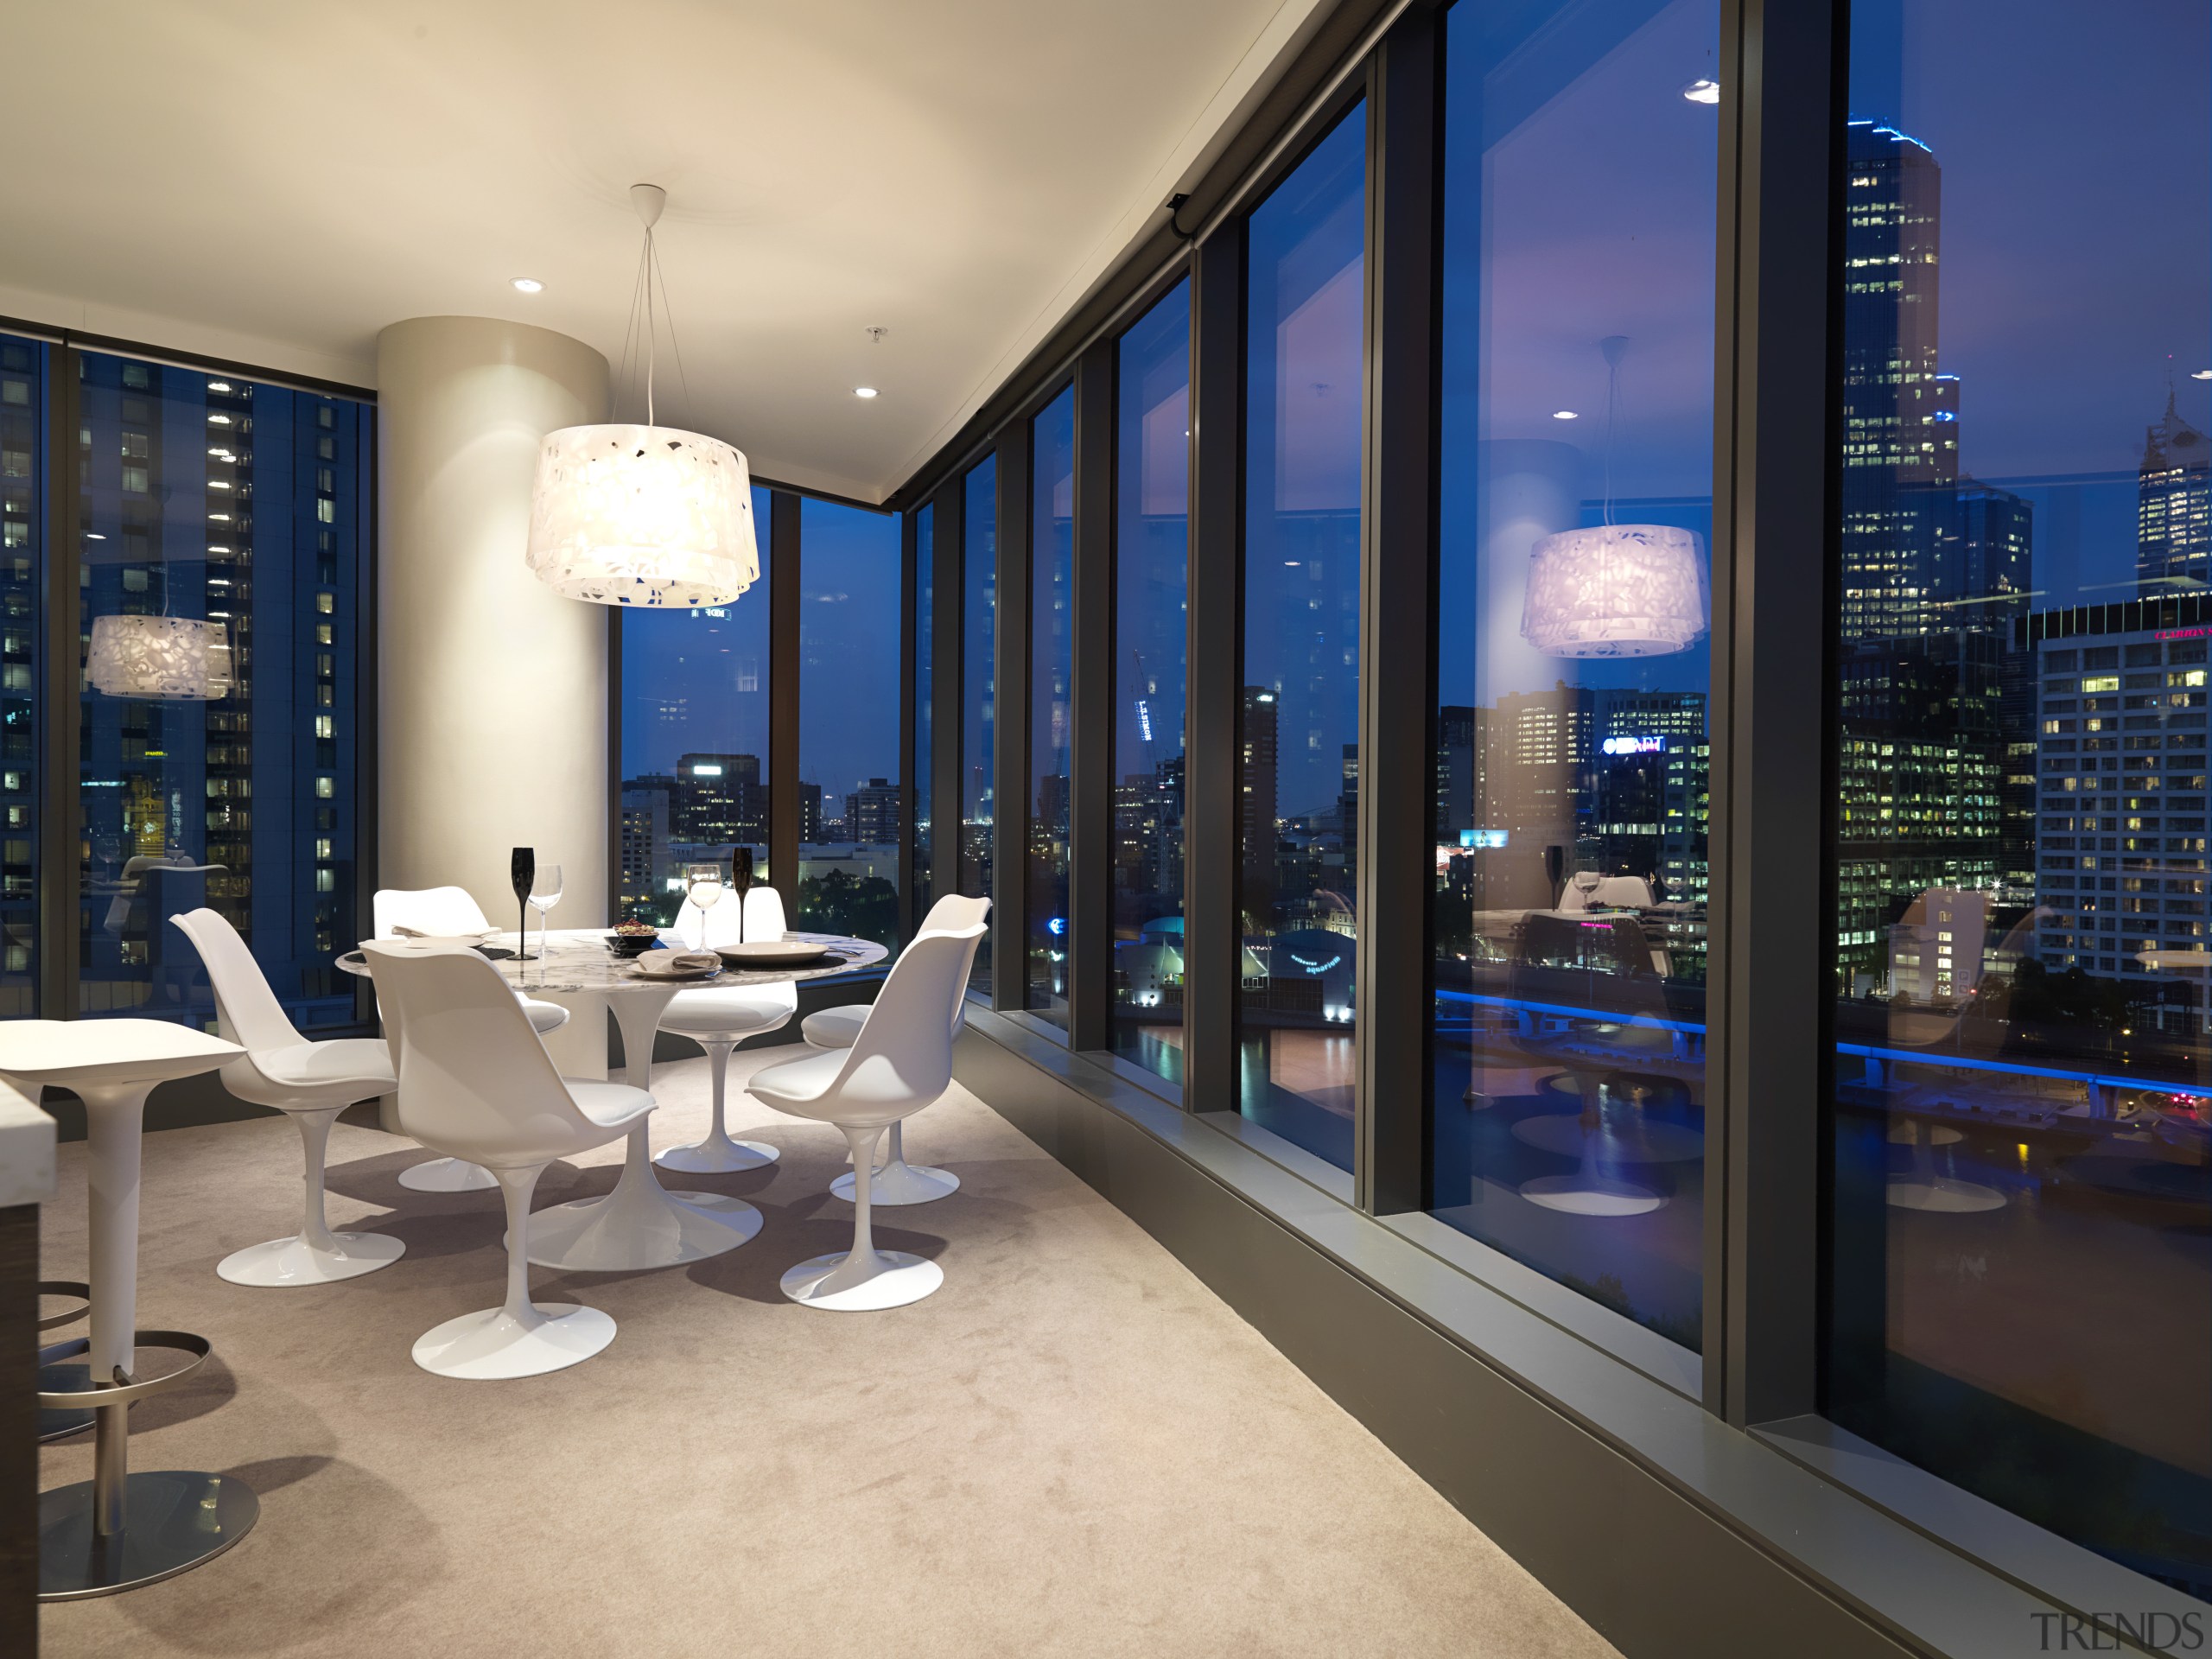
(633, 938)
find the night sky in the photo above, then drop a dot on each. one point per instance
(2076, 270)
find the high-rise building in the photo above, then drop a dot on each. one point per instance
(2122, 735)
(1934, 791)
(645, 844)
(1256, 821)
(2173, 508)
(1459, 733)
(810, 814)
(719, 799)
(872, 813)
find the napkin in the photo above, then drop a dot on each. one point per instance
(673, 963)
(407, 932)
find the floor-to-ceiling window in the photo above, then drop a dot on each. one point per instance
(978, 664)
(694, 739)
(848, 690)
(1052, 676)
(221, 523)
(2021, 1250)
(1571, 751)
(1299, 785)
(24, 370)
(919, 688)
(1151, 589)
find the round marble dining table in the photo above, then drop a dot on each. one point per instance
(640, 1224)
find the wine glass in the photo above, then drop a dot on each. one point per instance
(740, 882)
(545, 893)
(523, 871)
(702, 885)
(1585, 883)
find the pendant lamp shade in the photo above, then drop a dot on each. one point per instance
(1617, 590)
(643, 515)
(160, 659)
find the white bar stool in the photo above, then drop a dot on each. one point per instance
(119, 1530)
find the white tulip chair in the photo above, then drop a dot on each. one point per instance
(901, 1061)
(312, 1083)
(897, 1181)
(449, 913)
(719, 1018)
(476, 1083)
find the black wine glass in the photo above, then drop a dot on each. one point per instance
(525, 872)
(741, 882)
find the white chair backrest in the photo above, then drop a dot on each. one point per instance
(952, 913)
(438, 912)
(246, 1010)
(474, 1080)
(955, 913)
(705, 930)
(1629, 892)
(904, 1050)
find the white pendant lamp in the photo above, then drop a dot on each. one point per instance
(643, 515)
(1617, 590)
(160, 659)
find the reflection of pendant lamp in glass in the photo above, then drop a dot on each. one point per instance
(160, 659)
(643, 515)
(1616, 590)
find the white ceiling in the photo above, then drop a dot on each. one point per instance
(275, 182)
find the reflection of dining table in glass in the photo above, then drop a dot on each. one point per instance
(640, 1224)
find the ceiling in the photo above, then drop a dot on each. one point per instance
(274, 183)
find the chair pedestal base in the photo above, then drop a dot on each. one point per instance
(495, 1345)
(286, 1261)
(1586, 1194)
(902, 1183)
(881, 1280)
(447, 1175)
(176, 1520)
(718, 1155)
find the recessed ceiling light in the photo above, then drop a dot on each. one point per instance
(864, 391)
(1565, 415)
(1702, 92)
(219, 386)
(93, 535)
(529, 285)
(219, 420)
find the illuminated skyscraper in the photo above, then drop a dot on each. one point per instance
(2173, 508)
(1255, 795)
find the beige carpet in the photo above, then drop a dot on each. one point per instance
(1073, 1448)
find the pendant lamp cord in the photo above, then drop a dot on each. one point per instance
(650, 275)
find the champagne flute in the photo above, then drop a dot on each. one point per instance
(740, 882)
(523, 871)
(702, 885)
(545, 893)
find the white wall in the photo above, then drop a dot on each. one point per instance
(492, 688)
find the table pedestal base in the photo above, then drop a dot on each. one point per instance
(177, 1520)
(639, 1224)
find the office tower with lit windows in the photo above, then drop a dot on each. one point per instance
(645, 838)
(22, 466)
(718, 799)
(243, 505)
(2173, 508)
(2121, 697)
(872, 813)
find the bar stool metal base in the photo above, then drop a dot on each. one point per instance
(176, 1520)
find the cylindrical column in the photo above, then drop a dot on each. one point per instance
(492, 689)
(114, 1119)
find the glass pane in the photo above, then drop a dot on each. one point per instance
(223, 524)
(1151, 585)
(1300, 787)
(1567, 1041)
(925, 592)
(23, 368)
(2022, 1214)
(694, 739)
(1051, 671)
(979, 583)
(849, 723)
